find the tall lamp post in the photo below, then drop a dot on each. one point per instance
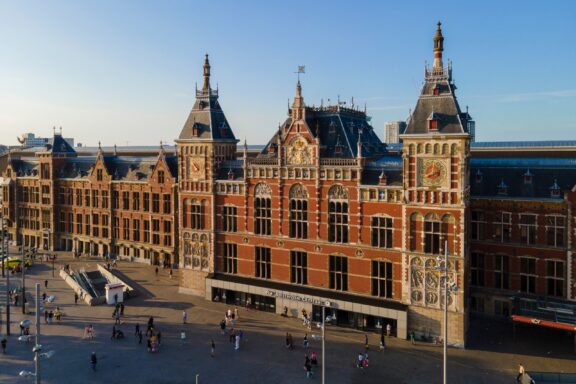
(448, 289)
(23, 266)
(5, 243)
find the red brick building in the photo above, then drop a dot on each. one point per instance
(325, 214)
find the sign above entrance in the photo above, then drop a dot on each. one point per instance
(304, 299)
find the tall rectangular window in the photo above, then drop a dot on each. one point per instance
(99, 175)
(126, 200)
(136, 230)
(115, 200)
(502, 271)
(126, 229)
(555, 230)
(528, 229)
(95, 225)
(382, 229)
(95, 199)
(87, 197)
(146, 202)
(229, 218)
(382, 279)
(105, 226)
(338, 273)
(298, 267)
(432, 236)
(503, 227)
(196, 215)
(105, 199)
(528, 275)
(262, 216)
(299, 218)
(79, 223)
(478, 222)
(168, 233)
(230, 258)
(155, 203)
(477, 270)
(116, 228)
(87, 224)
(263, 262)
(156, 231)
(146, 231)
(160, 177)
(135, 201)
(555, 278)
(78, 197)
(338, 222)
(167, 203)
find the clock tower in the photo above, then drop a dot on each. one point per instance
(435, 153)
(205, 142)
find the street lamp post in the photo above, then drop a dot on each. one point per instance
(7, 247)
(37, 351)
(23, 266)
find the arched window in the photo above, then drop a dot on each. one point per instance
(298, 212)
(338, 214)
(262, 209)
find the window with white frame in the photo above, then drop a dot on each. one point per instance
(382, 231)
(555, 277)
(503, 227)
(502, 271)
(528, 275)
(528, 228)
(555, 230)
(478, 222)
(382, 279)
(477, 271)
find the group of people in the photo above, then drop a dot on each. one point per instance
(310, 361)
(49, 315)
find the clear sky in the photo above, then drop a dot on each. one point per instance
(124, 72)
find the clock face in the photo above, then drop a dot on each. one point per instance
(433, 173)
(196, 168)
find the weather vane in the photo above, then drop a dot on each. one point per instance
(301, 69)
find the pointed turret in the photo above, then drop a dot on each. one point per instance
(438, 48)
(206, 85)
(298, 105)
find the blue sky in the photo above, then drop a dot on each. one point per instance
(124, 71)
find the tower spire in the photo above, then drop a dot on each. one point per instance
(438, 47)
(206, 86)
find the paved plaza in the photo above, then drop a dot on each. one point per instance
(262, 358)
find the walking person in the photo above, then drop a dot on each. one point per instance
(4, 342)
(223, 326)
(159, 336)
(50, 317)
(382, 342)
(237, 344)
(308, 367)
(182, 337)
(45, 283)
(75, 298)
(388, 329)
(137, 330)
(117, 318)
(212, 349)
(121, 309)
(139, 337)
(184, 317)
(305, 341)
(521, 372)
(171, 272)
(93, 361)
(156, 271)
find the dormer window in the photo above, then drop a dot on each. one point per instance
(478, 176)
(332, 127)
(160, 177)
(272, 148)
(502, 188)
(99, 174)
(436, 90)
(338, 148)
(433, 125)
(528, 176)
(555, 190)
(230, 174)
(195, 131)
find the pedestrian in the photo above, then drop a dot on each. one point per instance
(314, 359)
(58, 314)
(366, 346)
(139, 337)
(93, 361)
(291, 341)
(223, 326)
(4, 342)
(156, 270)
(137, 329)
(50, 317)
(117, 317)
(308, 367)
(305, 341)
(236, 314)
(122, 309)
(232, 335)
(44, 296)
(116, 299)
(182, 337)
(16, 297)
(184, 317)
(360, 360)
(159, 336)
(113, 332)
(388, 329)
(21, 329)
(521, 372)
(382, 342)
(171, 272)
(412, 337)
(237, 345)
(75, 298)
(288, 340)
(212, 349)
(45, 283)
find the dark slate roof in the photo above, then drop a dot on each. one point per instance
(390, 165)
(442, 107)
(486, 175)
(59, 145)
(208, 118)
(231, 170)
(336, 126)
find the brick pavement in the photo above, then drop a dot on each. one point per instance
(261, 359)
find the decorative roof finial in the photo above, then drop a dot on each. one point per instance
(438, 47)
(115, 150)
(99, 147)
(206, 86)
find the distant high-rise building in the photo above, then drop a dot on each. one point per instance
(31, 140)
(393, 129)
